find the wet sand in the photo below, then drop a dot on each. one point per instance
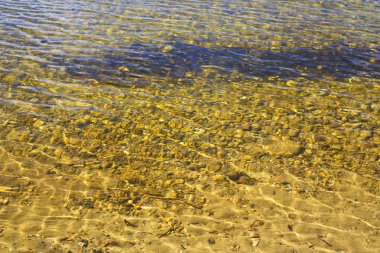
(278, 213)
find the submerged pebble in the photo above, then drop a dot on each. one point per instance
(284, 148)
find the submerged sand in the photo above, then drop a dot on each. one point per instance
(277, 213)
(241, 172)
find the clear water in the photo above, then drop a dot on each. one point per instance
(201, 126)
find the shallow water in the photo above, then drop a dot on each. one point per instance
(204, 126)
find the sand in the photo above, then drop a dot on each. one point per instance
(273, 213)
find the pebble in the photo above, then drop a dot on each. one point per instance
(83, 243)
(38, 123)
(283, 148)
(365, 134)
(246, 126)
(255, 127)
(255, 242)
(171, 194)
(82, 122)
(235, 247)
(320, 138)
(293, 132)
(4, 200)
(241, 178)
(247, 158)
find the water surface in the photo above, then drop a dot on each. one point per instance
(213, 126)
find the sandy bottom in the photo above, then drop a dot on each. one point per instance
(44, 211)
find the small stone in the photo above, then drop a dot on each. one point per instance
(241, 178)
(284, 148)
(247, 158)
(235, 247)
(83, 243)
(4, 201)
(255, 242)
(171, 194)
(267, 130)
(211, 241)
(308, 151)
(82, 122)
(124, 68)
(293, 132)
(180, 181)
(246, 126)
(255, 127)
(167, 48)
(324, 92)
(38, 123)
(191, 198)
(219, 177)
(337, 147)
(106, 164)
(365, 134)
(88, 203)
(320, 138)
(256, 223)
(168, 182)
(200, 131)
(291, 83)
(58, 151)
(24, 136)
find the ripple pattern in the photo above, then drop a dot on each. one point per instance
(195, 126)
